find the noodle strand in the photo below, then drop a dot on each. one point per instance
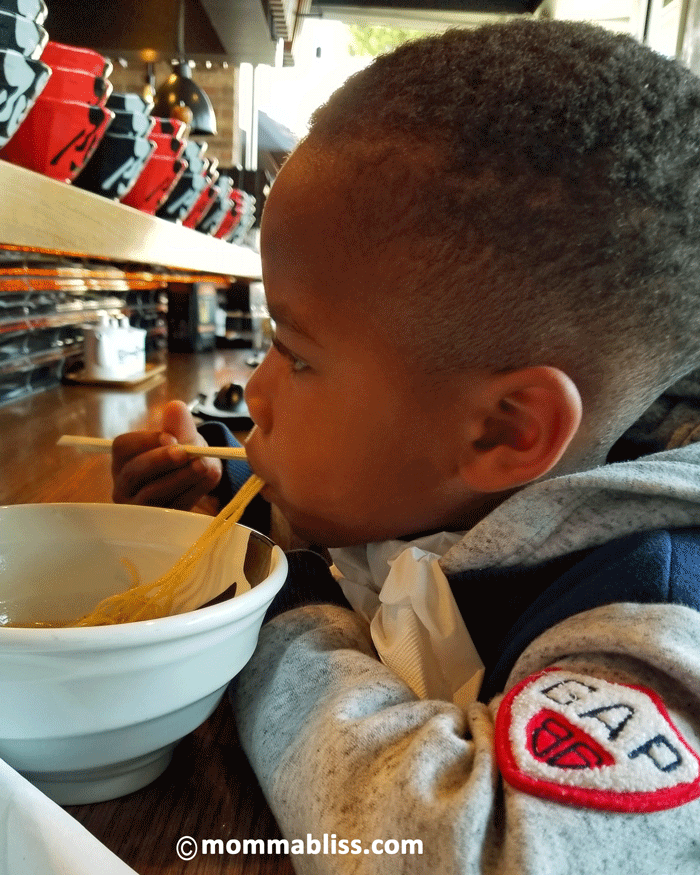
(148, 601)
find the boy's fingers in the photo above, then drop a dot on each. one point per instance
(146, 468)
(158, 483)
(210, 469)
(131, 473)
(149, 467)
(179, 422)
(128, 446)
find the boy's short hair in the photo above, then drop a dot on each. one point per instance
(546, 178)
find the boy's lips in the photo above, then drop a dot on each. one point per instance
(268, 491)
(257, 470)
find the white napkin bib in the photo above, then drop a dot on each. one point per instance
(415, 624)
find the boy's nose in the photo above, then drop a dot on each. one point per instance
(257, 400)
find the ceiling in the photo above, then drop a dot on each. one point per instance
(233, 30)
(242, 30)
(423, 7)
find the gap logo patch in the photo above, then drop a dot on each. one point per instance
(585, 741)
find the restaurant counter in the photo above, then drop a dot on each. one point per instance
(209, 790)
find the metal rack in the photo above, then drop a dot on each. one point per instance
(66, 255)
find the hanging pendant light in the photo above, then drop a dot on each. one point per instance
(179, 96)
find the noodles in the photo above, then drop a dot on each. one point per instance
(148, 601)
(132, 570)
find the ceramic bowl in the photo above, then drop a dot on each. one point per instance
(246, 220)
(170, 126)
(93, 713)
(79, 86)
(128, 102)
(21, 34)
(116, 165)
(37, 10)
(76, 58)
(194, 155)
(21, 81)
(206, 199)
(131, 124)
(232, 217)
(157, 180)
(167, 146)
(211, 223)
(58, 137)
(201, 207)
(183, 197)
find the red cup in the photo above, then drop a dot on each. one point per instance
(155, 183)
(58, 137)
(78, 86)
(76, 58)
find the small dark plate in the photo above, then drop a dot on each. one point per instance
(237, 418)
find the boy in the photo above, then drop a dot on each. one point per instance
(482, 264)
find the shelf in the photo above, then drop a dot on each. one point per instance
(41, 215)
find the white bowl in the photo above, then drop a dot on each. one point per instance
(92, 713)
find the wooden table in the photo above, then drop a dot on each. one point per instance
(34, 469)
(209, 791)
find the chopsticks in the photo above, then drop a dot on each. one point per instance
(104, 445)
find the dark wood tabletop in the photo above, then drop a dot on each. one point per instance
(209, 790)
(34, 469)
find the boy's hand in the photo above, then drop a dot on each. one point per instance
(147, 467)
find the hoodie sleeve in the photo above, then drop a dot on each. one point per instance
(587, 763)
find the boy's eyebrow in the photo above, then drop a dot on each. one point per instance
(282, 315)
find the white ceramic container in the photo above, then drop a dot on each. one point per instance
(93, 713)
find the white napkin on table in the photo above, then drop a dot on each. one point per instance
(415, 624)
(37, 837)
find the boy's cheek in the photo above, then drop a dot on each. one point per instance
(279, 460)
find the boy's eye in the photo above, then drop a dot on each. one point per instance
(296, 363)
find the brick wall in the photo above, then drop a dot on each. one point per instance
(220, 85)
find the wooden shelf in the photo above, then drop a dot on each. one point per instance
(39, 214)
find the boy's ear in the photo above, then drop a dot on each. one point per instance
(523, 430)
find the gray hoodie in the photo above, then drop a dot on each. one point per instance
(586, 762)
